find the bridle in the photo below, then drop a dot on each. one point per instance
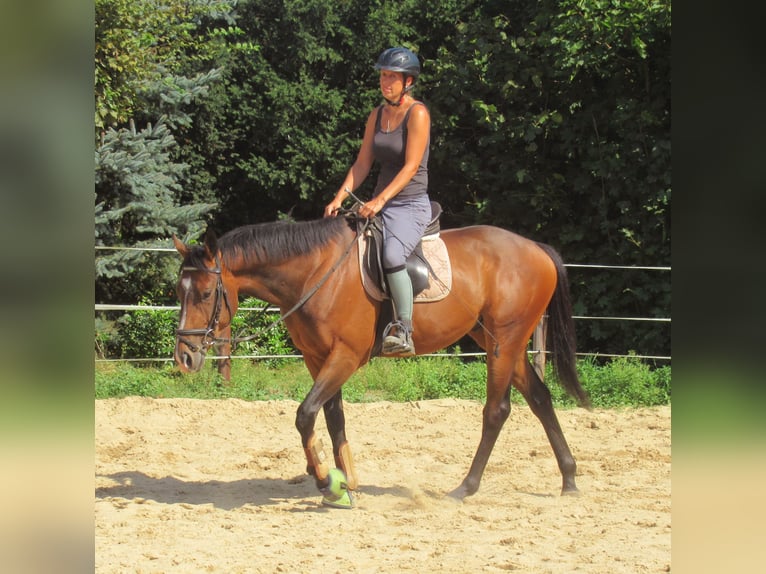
(208, 333)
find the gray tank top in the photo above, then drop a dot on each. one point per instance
(389, 149)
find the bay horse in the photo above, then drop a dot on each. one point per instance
(502, 284)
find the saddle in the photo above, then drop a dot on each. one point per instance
(428, 260)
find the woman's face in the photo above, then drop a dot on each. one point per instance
(391, 84)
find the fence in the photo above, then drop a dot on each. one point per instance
(537, 351)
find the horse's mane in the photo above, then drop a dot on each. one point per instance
(279, 240)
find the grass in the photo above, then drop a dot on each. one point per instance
(620, 382)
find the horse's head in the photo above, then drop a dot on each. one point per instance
(206, 309)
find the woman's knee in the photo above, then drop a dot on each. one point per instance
(394, 262)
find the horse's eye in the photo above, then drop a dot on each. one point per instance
(206, 294)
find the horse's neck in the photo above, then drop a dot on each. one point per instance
(283, 283)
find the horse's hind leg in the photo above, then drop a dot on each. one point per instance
(538, 397)
(495, 413)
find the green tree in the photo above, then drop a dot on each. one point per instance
(285, 123)
(136, 186)
(155, 62)
(614, 59)
(553, 118)
(144, 48)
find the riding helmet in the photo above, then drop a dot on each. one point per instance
(399, 59)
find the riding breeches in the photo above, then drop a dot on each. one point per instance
(404, 221)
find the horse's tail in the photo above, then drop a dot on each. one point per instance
(562, 332)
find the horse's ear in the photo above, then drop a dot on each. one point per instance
(211, 242)
(180, 246)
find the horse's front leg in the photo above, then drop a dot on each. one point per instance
(223, 349)
(336, 426)
(329, 377)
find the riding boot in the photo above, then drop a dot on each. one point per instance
(397, 337)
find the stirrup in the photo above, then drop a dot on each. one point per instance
(399, 343)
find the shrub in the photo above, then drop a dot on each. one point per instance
(147, 334)
(625, 381)
(273, 338)
(150, 334)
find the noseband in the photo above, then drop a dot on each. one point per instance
(208, 333)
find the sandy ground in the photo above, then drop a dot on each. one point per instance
(220, 486)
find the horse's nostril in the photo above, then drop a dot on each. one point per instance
(188, 362)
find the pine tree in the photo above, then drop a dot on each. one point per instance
(137, 182)
(154, 64)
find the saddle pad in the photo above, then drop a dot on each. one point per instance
(439, 280)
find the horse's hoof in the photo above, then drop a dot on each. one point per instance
(336, 493)
(570, 492)
(345, 501)
(459, 493)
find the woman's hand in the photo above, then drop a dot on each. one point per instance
(372, 207)
(332, 208)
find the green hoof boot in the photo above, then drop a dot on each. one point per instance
(345, 501)
(336, 493)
